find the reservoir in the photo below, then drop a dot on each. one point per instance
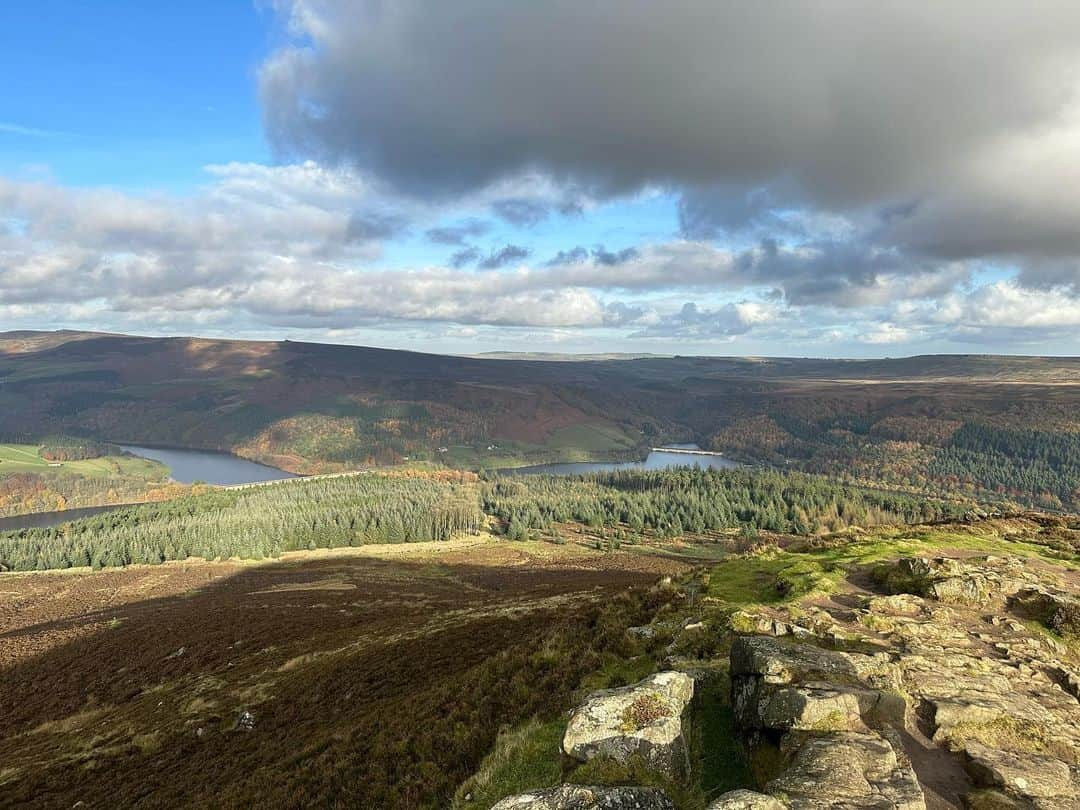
(185, 466)
(221, 469)
(658, 459)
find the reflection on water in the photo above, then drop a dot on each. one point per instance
(184, 466)
(43, 520)
(656, 460)
(222, 469)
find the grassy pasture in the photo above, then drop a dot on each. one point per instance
(24, 458)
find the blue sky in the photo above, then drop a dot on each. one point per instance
(131, 94)
(476, 176)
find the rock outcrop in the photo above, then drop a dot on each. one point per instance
(579, 797)
(643, 720)
(783, 685)
(846, 769)
(970, 581)
(943, 693)
(745, 800)
(827, 705)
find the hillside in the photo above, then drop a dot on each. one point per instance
(316, 408)
(443, 674)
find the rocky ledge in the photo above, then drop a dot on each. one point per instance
(579, 797)
(959, 696)
(643, 720)
(956, 687)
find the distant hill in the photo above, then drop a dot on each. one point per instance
(310, 407)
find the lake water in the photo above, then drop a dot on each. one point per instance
(656, 460)
(187, 466)
(184, 466)
(222, 469)
(43, 520)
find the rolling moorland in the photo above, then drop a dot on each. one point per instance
(879, 611)
(1000, 429)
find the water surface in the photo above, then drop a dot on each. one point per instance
(222, 469)
(658, 459)
(45, 520)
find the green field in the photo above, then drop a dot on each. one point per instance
(24, 458)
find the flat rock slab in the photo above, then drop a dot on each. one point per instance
(745, 800)
(644, 720)
(779, 661)
(1023, 775)
(580, 797)
(855, 771)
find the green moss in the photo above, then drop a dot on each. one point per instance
(606, 771)
(617, 672)
(524, 758)
(776, 575)
(716, 751)
(1007, 733)
(834, 721)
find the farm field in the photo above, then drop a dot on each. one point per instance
(25, 458)
(30, 483)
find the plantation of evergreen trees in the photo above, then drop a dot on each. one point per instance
(1028, 464)
(253, 523)
(264, 521)
(672, 502)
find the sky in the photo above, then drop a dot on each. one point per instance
(790, 178)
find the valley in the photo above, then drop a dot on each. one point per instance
(475, 549)
(997, 429)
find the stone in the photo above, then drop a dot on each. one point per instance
(850, 770)
(745, 800)
(580, 797)
(971, 581)
(245, 722)
(782, 685)
(746, 622)
(644, 720)
(778, 661)
(1027, 776)
(1058, 611)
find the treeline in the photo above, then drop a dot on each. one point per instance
(349, 511)
(28, 493)
(65, 448)
(254, 523)
(696, 500)
(1034, 465)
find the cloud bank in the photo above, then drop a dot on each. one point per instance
(886, 175)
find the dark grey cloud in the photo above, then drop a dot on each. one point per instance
(521, 212)
(575, 255)
(503, 257)
(612, 258)
(457, 234)
(959, 124)
(374, 226)
(599, 255)
(465, 256)
(851, 100)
